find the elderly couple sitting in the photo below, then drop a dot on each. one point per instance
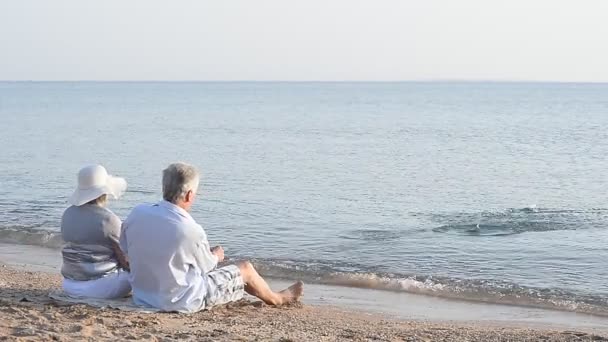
(159, 252)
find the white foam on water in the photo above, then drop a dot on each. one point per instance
(398, 304)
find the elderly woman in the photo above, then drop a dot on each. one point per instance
(93, 264)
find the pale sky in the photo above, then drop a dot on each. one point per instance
(552, 40)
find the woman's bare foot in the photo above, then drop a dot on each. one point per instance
(293, 293)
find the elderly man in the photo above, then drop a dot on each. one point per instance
(172, 266)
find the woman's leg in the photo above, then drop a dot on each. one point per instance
(115, 285)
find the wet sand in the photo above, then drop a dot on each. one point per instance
(28, 314)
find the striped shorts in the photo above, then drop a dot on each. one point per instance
(224, 285)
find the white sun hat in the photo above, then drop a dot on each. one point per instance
(93, 182)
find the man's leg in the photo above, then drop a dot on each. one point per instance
(255, 285)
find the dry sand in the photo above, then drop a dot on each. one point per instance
(27, 314)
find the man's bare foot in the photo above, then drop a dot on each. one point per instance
(293, 293)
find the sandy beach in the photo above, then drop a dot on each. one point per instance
(28, 314)
(304, 171)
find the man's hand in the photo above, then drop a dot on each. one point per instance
(218, 251)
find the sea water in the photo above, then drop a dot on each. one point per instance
(482, 191)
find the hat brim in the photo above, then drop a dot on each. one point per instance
(114, 187)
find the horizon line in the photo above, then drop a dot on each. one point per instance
(305, 81)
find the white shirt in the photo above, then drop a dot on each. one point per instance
(168, 255)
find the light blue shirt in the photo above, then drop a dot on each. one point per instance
(168, 255)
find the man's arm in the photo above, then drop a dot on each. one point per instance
(205, 258)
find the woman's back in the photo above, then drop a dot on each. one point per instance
(89, 232)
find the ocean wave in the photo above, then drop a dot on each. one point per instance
(31, 235)
(511, 221)
(487, 291)
(516, 221)
(371, 234)
(141, 191)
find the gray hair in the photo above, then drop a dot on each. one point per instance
(178, 179)
(100, 201)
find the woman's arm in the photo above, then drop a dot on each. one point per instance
(123, 261)
(113, 232)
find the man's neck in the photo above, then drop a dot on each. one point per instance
(183, 205)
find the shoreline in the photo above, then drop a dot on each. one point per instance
(29, 314)
(328, 313)
(397, 304)
(492, 291)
